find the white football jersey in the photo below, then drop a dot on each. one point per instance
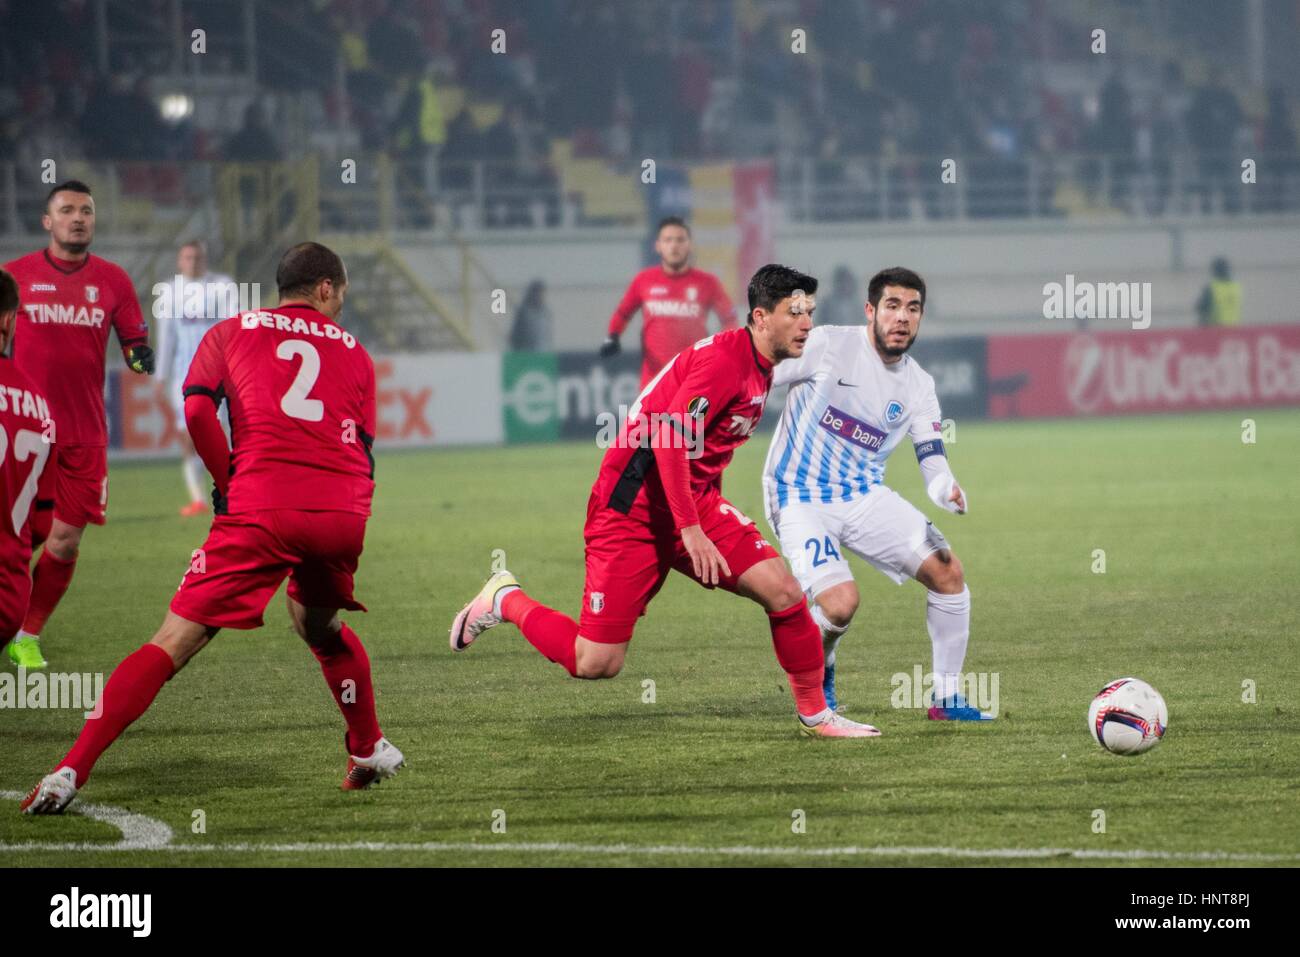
(182, 327)
(846, 411)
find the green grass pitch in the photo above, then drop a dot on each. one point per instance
(1201, 535)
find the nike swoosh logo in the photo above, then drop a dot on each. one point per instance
(849, 384)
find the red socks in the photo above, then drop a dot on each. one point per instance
(346, 666)
(798, 644)
(50, 580)
(130, 690)
(550, 632)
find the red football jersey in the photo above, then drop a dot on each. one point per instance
(674, 310)
(707, 400)
(26, 442)
(62, 335)
(301, 392)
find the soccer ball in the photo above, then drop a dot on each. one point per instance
(1128, 716)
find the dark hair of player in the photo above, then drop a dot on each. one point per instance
(305, 265)
(894, 276)
(67, 186)
(672, 221)
(8, 293)
(775, 282)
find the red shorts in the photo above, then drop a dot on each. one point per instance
(76, 480)
(628, 561)
(236, 573)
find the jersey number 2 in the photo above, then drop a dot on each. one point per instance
(295, 403)
(25, 443)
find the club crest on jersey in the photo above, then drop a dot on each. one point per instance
(691, 293)
(698, 407)
(893, 412)
(597, 602)
(92, 294)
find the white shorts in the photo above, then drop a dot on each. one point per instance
(881, 527)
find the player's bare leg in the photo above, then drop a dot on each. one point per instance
(131, 688)
(798, 645)
(833, 610)
(50, 580)
(596, 659)
(947, 618)
(346, 667)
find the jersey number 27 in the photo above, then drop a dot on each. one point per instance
(26, 442)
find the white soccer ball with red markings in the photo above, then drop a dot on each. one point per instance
(1128, 716)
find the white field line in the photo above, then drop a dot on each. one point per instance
(140, 833)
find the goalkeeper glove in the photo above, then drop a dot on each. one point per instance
(140, 359)
(610, 347)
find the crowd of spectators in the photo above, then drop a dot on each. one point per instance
(683, 79)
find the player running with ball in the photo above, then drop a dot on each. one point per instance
(855, 395)
(293, 496)
(657, 505)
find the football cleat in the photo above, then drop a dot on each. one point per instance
(384, 762)
(837, 726)
(195, 508)
(480, 614)
(26, 653)
(52, 794)
(828, 686)
(956, 708)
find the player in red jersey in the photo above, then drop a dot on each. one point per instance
(292, 499)
(657, 505)
(674, 298)
(69, 300)
(26, 440)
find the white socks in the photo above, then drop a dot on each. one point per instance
(947, 617)
(500, 596)
(831, 634)
(817, 718)
(192, 469)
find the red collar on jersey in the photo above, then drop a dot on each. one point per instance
(62, 264)
(309, 308)
(764, 366)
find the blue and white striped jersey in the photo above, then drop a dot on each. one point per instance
(845, 412)
(202, 304)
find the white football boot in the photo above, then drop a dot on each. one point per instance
(834, 725)
(480, 614)
(52, 794)
(383, 763)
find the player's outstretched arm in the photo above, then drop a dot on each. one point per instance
(128, 322)
(926, 431)
(618, 321)
(705, 557)
(208, 437)
(940, 484)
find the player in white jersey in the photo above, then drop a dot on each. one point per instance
(196, 300)
(854, 396)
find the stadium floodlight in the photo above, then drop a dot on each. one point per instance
(176, 106)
